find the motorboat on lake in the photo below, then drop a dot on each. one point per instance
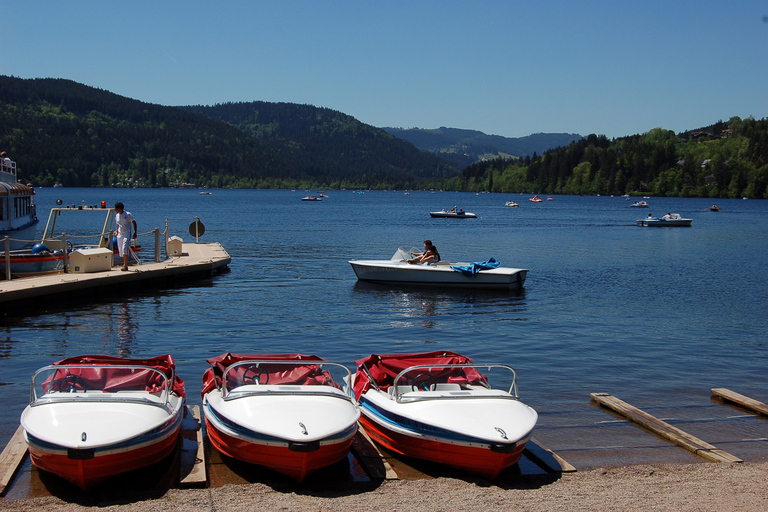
(91, 418)
(453, 213)
(639, 204)
(669, 220)
(397, 271)
(511, 204)
(536, 199)
(311, 198)
(292, 413)
(443, 408)
(18, 214)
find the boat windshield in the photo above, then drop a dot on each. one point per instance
(99, 383)
(403, 253)
(275, 377)
(455, 381)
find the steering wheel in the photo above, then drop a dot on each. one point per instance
(423, 382)
(70, 384)
(254, 374)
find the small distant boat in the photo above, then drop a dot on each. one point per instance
(669, 220)
(205, 193)
(322, 194)
(443, 408)
(536, 199)
(550, 198)
(292, 413)
(714, 208)
(453, 213)
(311, 198)
(511, 204)
(639, 204)
(91, 418)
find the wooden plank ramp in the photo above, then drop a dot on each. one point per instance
(371, 458)
(742, 400)
(546, 458)
(192, 430)
(11, 459)
(664, 429)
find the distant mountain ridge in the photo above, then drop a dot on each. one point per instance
(465, 147)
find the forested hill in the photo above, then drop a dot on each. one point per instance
(726, 159)
(465, 147)
(60, 131)
(328, 143)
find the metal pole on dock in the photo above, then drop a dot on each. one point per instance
(197, 230)
(156, 231)
(7, 259)
(66, 252)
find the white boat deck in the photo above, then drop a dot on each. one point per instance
(196, 260)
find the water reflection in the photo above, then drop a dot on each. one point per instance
(126, 327)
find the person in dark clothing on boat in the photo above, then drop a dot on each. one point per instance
(430, 254)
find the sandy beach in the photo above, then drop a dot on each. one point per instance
(693, 487)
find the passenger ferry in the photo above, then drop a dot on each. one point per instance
(18, 216)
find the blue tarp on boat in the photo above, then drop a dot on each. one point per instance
(473, 268)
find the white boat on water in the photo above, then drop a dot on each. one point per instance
(666, 221)
(292, 413)
(18, 215)
(443, 408)
(639, 204)
(397, 271)
(94, 417)
(453, 213)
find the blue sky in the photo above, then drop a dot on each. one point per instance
(508, 68)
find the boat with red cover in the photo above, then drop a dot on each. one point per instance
(292, 413)
(442, 407)
(91, 418)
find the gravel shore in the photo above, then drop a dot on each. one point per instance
(693, 487)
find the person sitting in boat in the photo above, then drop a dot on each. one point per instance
(430, 254)
(667, 216)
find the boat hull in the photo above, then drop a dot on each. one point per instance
(678, 223)
(452, 215)
(32, 264)
(442, 275)
(105, 463)
(251, 431)
(19, 237)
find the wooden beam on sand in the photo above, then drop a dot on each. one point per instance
(371, 458)
(744, 401)
(546, 458)
(197, 477)
(11, 459)
(664, 429)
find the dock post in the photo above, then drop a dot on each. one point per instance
(7, 259)
(66, 252)
(156, 231)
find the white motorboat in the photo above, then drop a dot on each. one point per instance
(453, 213)
(639, 204)
(292, 413)
(94, 417)
(443, 408)
(669, 220)
(397, 271)
(512, 204)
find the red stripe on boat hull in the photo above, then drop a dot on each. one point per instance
(89, 472)
(297, 465)
(475, 460)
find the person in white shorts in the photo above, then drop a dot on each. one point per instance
(125, 226)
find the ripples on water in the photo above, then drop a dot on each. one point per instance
(608, 306)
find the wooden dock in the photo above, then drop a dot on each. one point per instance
(196, 261)
(744, 401)
(664, 429)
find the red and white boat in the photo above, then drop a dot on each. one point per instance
(94, 417)
(443, 408)
(292, 413)
(536, 199)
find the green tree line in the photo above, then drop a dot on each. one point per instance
(726, 159)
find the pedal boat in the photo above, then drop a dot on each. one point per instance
(669, 220)
(292, 413)
(443, 408)
(91, 418)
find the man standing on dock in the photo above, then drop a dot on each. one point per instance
(125, 222)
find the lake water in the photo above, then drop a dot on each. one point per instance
(654, 316)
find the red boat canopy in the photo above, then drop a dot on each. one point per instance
(384, 368)
(117, 380)
(278, 374)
